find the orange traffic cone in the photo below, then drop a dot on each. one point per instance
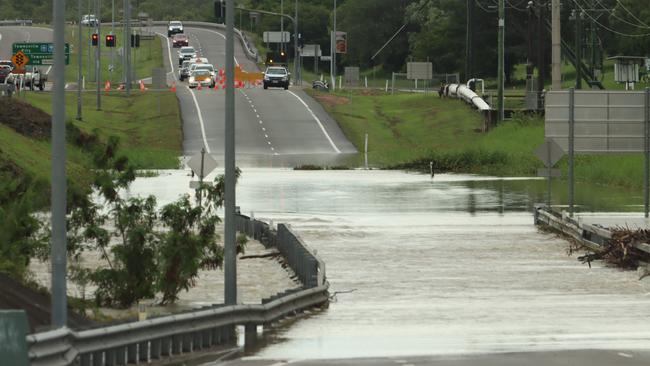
(142, 88)
(173, 88)
(107, 86)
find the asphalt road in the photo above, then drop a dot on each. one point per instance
(273, 127)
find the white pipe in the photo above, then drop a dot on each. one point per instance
(461, 91)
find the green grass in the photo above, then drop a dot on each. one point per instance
(145, 58)
(409, 131)
(150, 140)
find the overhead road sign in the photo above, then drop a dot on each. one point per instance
(39, 53)
(276, 37)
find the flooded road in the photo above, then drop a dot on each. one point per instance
(424, 267)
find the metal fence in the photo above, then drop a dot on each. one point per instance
(167, 336)
(23, 22)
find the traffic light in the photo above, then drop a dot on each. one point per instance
(135, 40)
(95, 39)
(110, 40)
(220, 10)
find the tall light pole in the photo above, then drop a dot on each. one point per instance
(556, 46)
(127, 46)
(230, 249)
(98, 55)
(79, 61)
(296, 59)
(333, 52)
(282, 25)
(59, 189)
(501, 76)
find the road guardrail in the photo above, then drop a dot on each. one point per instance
(171, 335)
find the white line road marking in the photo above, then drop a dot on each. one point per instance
(268, 142)
(198, 111)
(626, 355)
(267, 136)
(261, 122)
(317, 121)
(263, 129)
(169, 53)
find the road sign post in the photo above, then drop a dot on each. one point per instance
(230, 250)
(571, 147)
(549, 153)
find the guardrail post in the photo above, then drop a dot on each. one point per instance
(177, 345)
(98, 359)
(250, 335)
(197, 340)
(84, 360)
(132, 353)
(187, 343)
(120, 355)
(207, 339)
(216, 336)
(143, 351)
(166, 346)
(156, 345)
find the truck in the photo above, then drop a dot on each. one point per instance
(32, 79)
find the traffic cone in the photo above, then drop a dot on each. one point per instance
(142, 88)
(107, 86)
(173, 88)
(199, 87)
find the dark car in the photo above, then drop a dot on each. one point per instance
(276, 76)
(5, 70)
(180, 40)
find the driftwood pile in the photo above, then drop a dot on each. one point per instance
(620, 251)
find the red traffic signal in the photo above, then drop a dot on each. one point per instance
(95, 39)
(110, 40)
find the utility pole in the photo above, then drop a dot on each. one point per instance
(541, 46)
(88, 70)
(98, 55)
(230, 249)
(127, 45)
(502, 26)
(282, 25)
(112, 33)
(333, 53)
(59, 188)
(79, 61)
(578, 46)
(556, 46)
(296, 59)
(469, 41)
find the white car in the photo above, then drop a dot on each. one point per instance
(174, 27)
(186, 53)
(184, 73)
(206, 67)
(89, 20)
(202, 77)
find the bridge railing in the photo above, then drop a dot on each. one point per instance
(167, 336)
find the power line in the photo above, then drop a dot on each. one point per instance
(612, 13)
(606, 27)
(632, 14)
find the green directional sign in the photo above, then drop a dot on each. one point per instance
(40, 53)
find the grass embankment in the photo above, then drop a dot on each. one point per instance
(409, 131)
(151, 140)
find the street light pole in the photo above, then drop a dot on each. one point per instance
(296, 59)
(59, 189)
(282, 26)
(230, 250)
(333, 52)
(98, 55)
(79, 61)
(501, 76)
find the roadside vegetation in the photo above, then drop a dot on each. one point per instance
(409, 131)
